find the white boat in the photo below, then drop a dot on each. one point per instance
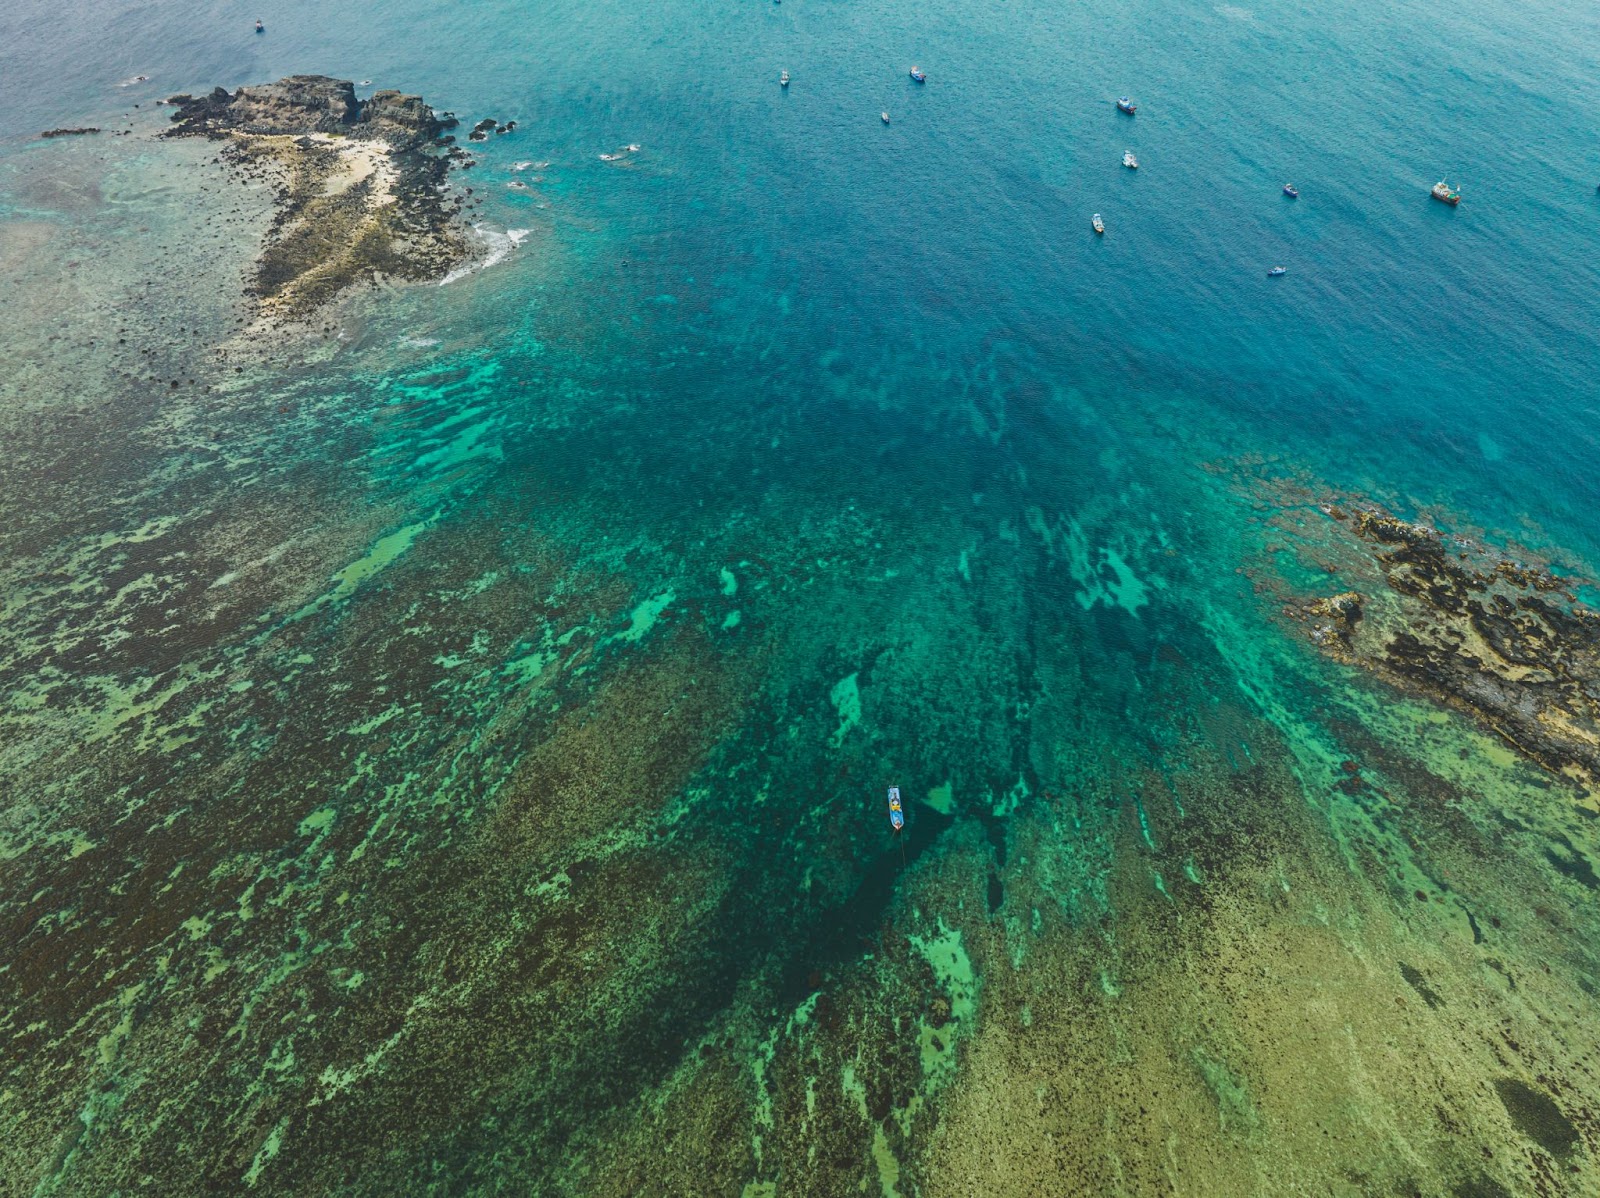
(885, 117)
(783, 79)
(1129, 161)
(1099, 225)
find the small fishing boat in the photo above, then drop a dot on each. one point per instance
(885, 117)
(1129, 161)
(260, 28)
(783, 79)
(1445, 194)
(919, 74)
(1290, 190)
(897, 817)
(1276, 271)
(1126, 105)
(1099, 225)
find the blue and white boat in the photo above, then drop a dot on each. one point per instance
(897, 817)
(1127, 105)
(1276, 271)
(919, 74)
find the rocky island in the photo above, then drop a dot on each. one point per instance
(360, 185)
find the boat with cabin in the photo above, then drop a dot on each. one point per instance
(1445, 194)
(1277, 271)
(783, 79)
(1129, 161)
(1290, 190)
(1125, 104)
(919, 74)
(897, 816)
(1099, 225)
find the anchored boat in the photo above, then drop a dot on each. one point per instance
(897, 817)
(1446, 194)
(1129, 161)
(1099, 225)
(1127, 105)
(1276, 271)
(1290, 190)
(919, 74)
(783, 79)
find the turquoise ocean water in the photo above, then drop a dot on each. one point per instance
(537, 837)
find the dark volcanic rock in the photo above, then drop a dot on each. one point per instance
(304, 104)
(69, 132)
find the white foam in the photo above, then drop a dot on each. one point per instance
(497, 248)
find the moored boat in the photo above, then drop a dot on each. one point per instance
(1445, 194)
(885, 117)
(1127, 105)
(1099, 225)
(1290, 190)
(1276, 271)
(783, 79)
(919, 74)
(897, 817)
(1129, 161)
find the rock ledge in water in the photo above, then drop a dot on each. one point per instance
(1506, 641)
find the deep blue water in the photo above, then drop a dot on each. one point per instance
(1403, 332)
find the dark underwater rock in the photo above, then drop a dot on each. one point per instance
(70, 132)
(1537, 1116)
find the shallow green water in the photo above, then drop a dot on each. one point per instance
(449, 755)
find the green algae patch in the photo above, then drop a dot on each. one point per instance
(952, 968)
(1006, 805)
(730, 581)
(318, 822)
(846, 699)
(942, 799)
(384, 552)
(643, 618)
(1227, 1087)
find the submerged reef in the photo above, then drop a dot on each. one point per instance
(360, 184)
(1507, 642)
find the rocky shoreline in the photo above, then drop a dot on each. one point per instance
(1455, 620)
(361, 185)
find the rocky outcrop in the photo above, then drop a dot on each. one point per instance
(70, 132)
(1504, 640)
(360, 184)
